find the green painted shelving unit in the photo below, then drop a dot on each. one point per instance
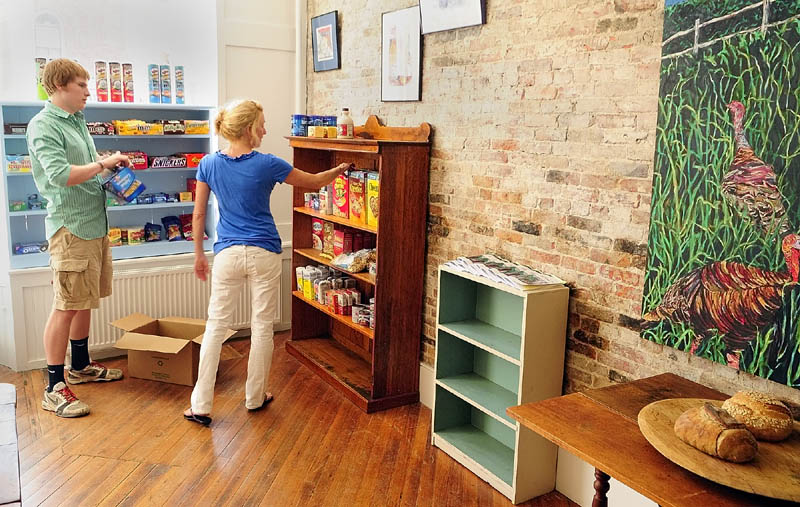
(497, 347)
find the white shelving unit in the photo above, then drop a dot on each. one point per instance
(497, 347)
(28, 225)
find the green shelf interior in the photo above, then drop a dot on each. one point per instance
(481, 437)
(477, 375)
(489, 316)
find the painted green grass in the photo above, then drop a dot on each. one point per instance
(682, 16)
(691, 224)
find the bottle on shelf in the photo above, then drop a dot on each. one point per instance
(344, 124)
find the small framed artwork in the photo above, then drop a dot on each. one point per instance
(401, 62)
(439, 15)
(324, 42)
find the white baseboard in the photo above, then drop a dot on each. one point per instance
(574, 477)
(426, 385)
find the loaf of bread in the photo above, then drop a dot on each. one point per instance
(766, 417)
(716, 433)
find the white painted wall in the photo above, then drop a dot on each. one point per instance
(141, 32)
(257, 41)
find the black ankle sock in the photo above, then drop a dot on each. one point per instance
(56, 374)
(80, 353)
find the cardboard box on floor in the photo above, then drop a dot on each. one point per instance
(167, 350)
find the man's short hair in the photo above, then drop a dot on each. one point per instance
(60, 72)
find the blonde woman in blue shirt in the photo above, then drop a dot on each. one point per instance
(248, 246)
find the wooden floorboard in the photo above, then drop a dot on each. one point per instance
(310, 446)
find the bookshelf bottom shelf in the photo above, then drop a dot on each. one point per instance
(345, 371)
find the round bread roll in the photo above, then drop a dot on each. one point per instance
(766, 417)
(716, 433)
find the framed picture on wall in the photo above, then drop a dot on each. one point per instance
(439, 15)
(401, 62)
(324, 42)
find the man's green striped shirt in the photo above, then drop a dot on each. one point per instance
(56, 140)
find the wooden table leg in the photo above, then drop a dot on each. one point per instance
(601, 487)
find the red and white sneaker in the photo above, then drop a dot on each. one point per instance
(95, 372)
(63, 402)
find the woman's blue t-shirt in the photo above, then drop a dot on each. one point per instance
(242, 187)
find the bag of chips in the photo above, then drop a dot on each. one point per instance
(172, 228)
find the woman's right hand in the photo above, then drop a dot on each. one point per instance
(201, 267)
(344, 166)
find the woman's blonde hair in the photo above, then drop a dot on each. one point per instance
(238, 120)
(61, 72)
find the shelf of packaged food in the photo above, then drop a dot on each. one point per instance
(344, 319)
(338, 220)
(334, 144)
(151, 206)
(99, 136)
(151, 249)
(185, 204)
(150, 170)
(164, 136)
(27, 212)
(314, 255)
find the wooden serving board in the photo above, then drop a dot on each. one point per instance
(775, 471)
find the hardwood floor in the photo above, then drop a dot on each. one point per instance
(308, 447)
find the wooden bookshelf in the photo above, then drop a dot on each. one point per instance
(376, 369)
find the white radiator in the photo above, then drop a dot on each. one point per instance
(158, 293)
(159, 287)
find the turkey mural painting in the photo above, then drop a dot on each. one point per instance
(724, 246)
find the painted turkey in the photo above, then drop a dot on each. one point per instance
(731, 298)
(749, 184)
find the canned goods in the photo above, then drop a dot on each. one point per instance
(299, 125)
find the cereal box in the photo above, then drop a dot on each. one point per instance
(327, 239)
(115, 76)
(356, 191)
(317, 234)
(341, 197)
(373, 198)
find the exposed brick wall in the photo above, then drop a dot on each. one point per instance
(544, 128)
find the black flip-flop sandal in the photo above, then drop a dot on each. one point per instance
(199, 419)
(267, 401)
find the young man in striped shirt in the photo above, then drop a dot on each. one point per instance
(66, 171)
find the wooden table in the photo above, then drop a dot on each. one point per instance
(600, 427)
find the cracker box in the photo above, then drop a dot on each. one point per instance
(357, 194)
(373, 198)
(328, 231)
(342, 242)
(317, 234)
(154, 83)
(341, 197)
(115, 80)
(196, 127)
(101, 81)
(138, 159)
(164, 350)
(18, 163)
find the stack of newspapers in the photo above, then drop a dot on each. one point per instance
(503, 271)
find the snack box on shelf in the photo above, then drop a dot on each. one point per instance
(15, 128)
(18, 163)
